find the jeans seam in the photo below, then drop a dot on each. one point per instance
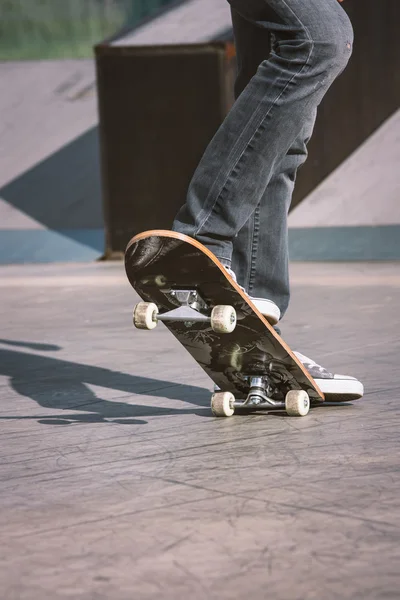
(258, 127)
(254, 248)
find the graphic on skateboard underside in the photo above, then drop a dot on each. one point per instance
(159, 262)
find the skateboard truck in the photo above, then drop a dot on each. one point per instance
(296, 402)
(191, 303)
(222, 318)
(258, 394)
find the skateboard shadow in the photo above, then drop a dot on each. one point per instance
(63, 385)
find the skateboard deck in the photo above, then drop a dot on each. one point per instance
(177, 274)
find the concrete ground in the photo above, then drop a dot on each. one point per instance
(117, 483)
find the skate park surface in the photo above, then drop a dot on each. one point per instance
(354, 214)
(117, 482)
(50, 197)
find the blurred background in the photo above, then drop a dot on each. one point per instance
(49, 29)
(106, 107)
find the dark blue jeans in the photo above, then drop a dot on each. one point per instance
(240, 194)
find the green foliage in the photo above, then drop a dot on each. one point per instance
(39, 29)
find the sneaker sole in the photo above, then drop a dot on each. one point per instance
(340, 390)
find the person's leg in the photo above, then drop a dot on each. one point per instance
(260, 256)
(315, 40)
(260, 250)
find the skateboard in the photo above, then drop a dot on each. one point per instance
(183, 285)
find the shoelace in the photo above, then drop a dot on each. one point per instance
(233, 275)
(309, 362)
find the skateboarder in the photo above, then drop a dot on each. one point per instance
(289, 53)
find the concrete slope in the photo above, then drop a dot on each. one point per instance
(195, 21)
(364, 190)
(355, 212)
(44, 105)
(50, 201)
(50, 197)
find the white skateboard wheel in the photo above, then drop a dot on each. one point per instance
(145, 315)
(297, 403)
(222, 404)
(223, 319)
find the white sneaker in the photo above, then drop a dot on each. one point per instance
(337, 388)
(267, 308)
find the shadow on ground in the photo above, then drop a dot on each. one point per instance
(65, 187)
(63, 385)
